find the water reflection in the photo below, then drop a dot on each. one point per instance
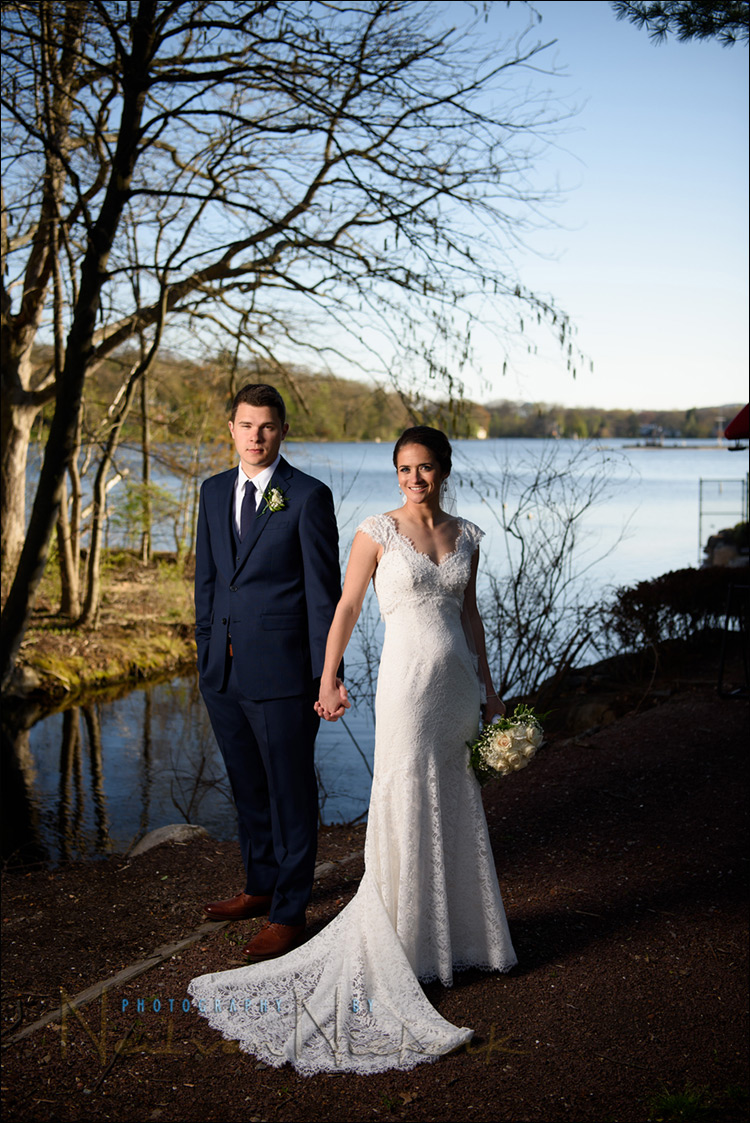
(90, 780)
(21, 833)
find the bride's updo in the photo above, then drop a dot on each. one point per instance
(433, 439)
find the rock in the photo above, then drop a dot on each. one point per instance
(24, 680)
(726, 553)
(176, 832)
(727, 549)
(578, 715)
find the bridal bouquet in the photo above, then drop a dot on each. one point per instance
(507, 745)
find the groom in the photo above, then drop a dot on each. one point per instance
(266, 586)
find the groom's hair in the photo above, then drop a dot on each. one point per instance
(260, 394)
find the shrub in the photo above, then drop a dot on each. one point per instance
(677, 605)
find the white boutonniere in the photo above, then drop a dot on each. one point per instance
(274, 500)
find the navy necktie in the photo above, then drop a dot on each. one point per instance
(247, 510)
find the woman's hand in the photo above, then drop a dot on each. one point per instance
(332, 701)
(493, 707)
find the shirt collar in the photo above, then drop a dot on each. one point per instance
(262, 480)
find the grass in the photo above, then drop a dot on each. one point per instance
(695, 1104)
(145, 628)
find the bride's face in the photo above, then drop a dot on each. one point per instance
(419, 474)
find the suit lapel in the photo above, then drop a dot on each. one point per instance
(227, 518)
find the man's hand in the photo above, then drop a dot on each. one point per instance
(333, 703)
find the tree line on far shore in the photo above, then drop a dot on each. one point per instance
(188, 404)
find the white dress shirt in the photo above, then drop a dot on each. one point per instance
(259, 482)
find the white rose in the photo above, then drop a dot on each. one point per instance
(501, 741)
(534, 735)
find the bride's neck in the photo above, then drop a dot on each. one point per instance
(428, 517)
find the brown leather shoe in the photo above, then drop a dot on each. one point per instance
(240, 907)
(274, 940)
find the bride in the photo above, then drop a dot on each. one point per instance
(349, 1000)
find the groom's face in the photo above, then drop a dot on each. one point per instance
(257, 433)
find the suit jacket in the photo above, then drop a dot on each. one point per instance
(274, 594)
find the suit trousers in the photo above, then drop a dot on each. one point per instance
(268, 750)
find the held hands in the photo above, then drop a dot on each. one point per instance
(492, 708)
(332, 702)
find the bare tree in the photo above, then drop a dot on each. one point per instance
(537, 607)
(119, 413)
(293, 172)
(147, 515)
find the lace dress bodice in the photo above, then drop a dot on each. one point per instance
(409, 581)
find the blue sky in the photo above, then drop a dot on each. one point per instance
(650, 254)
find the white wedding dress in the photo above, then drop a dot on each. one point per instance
(349, 999)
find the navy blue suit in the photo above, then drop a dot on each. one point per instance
(272, 596)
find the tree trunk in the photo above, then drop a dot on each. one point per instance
(76, 504)
(90, 614)
(68, 562)
(17, 423)
(43, 515)
(146, 544)
(192, 527)
(69, 591)
(194, 519)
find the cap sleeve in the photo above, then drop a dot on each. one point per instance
(377, 527)
(473, 534)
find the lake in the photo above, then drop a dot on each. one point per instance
(89, 781)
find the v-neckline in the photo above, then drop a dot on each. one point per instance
(420, 553)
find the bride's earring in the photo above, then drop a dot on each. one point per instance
(447, 496)
(403, 497)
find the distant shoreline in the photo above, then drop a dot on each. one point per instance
(689, 448)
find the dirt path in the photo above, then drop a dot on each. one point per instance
(622, 857)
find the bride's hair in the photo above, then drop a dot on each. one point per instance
(433, 439)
